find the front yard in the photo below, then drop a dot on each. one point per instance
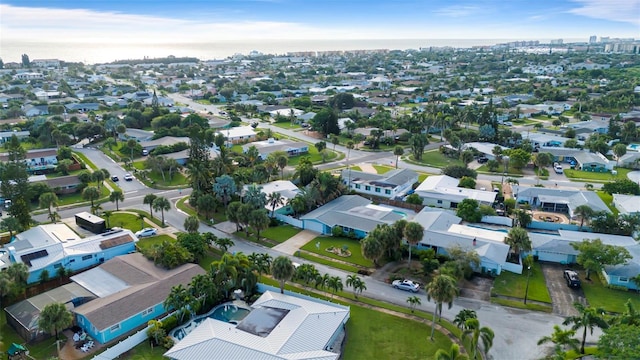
(596, 176)
(514, 285)
(280, 233)
(610, 300)
(436, 159)
(337, 243)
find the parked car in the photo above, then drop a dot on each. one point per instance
(572, 278)
(406, 285)
(482, 160)
(128, 177)
(146, 232)
(145, 152)
(114, 178)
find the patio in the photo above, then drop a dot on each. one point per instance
(546, 216)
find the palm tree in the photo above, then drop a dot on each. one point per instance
(282, 162)
(141, 218)
(518, 240)
(98, 176)
(356, 283)
(587, 318)
(107, 215)
(162, 204)
(584, 212)
(91, 193)
(461, 318)
(55, 316)
(398, 151)
(413, 232)
(335, 284)
(274, 199)
(116, 196)
(131, 145)
(561, 339)
(282, 269)
(178, 299)
(191, 224)
(54, 217)
(48, 200)
(477, 335)
(10, 224)
(630, 316)
(443, 289)
(148, 199)
(372, 248)
(202, 287)
(413, 302)
(452, 354)
(261, 262)
(259, 220)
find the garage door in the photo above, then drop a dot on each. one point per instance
(552, 257)
(314, 226)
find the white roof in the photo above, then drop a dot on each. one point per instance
(303, 333)
(239, 131)
(627, 204)
(447, 187)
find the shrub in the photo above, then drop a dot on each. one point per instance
(169, 323)
(337, 231)
(459, 172)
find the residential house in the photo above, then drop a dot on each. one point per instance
(442, 191)
(60, 185)
(590, 127)
(485, 148)
(35, 110)
(6, 135)
(389, 185)
(559, 200)
(28, 76)
(266, 147)
(82, 107)
(136, 134)
(630, 159)
(443, 231)
(38, 159)
(51, 246)
(163, 141)
(627, 204)
(287, 191)
(130, 290)
(279, 326)
(540, 139)
(239, 134)
(353, 214)
(593, 162)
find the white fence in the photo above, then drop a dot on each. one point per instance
(289, 220)
(123, 346)
(498, 220)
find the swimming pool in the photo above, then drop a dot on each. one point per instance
(404, 215)
(231, 312)
(634, 147)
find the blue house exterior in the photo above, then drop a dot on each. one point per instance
(54, 246)
(130, 291)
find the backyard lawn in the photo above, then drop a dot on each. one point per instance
(77, 197)
(149, 242)
(510, 284)
(125, 221)
(280, 233)
(608, 200)
(338, 242)
(596, 176)
(609, 299)
(177, 179)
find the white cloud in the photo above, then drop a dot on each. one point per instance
(612, 10)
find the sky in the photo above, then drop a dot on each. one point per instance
(161, 21)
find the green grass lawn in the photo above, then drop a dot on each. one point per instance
(315, 156)
(327, 262)
(125, 221)
(280, 233)
(288, 125)
(512, 172)
(381, 169)
(596, 176)
(355, 168)
(422, 177)
(139, 165)
(155, 219)
(338, 242)
(81, 157)
(609, 299)
(436, 159)
(510, 284)
(177, 179)
(608, 200)
(149, 242)
(77, 197)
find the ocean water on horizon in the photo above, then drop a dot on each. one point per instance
(108, 51)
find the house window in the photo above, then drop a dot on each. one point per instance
(439, 201)
(147, 312)
(72, 260)
(387, 192)
(57, 266)
(623, 279)
(377, 189)
(115, 327)
(368, 188)
(86, 257)
(357, 186)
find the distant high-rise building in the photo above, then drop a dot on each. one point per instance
(593, 39)
(556, 42)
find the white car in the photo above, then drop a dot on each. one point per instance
(406, 285)
(147, 232)
(128, 177)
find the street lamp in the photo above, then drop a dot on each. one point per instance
(526, 290)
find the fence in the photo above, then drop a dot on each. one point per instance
(498, 220)
(123, 346)
(539, 225)
(289, 220)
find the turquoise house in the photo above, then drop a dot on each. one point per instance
(130, 291)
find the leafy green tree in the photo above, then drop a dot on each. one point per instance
(481, 338)
(91, 193)
(413, 302)
(161, 204)
(116, 196)
(48, 200)
(63, 166)
(155, 331)
(467, 182)
(519, 158)
(442, 289)
(542, 160)
(413, 232)
(14, 182)
(619, 150)
(191, 224)
(594, 255)
(468, 211)
(325, 122)
(418, 142)
(233, 213)
(587, 318)
(11, 225)
(55, 317)
(170, 254)
(372, 248)
(622, 186)
(452, 354)
(466, 157)
(523, 218)
(282, 270)
(620, 341)
(562, 339)
(224, 187)
(463, 315)
(305, 171)
(195, 243)
(414, 199)
(179, 299)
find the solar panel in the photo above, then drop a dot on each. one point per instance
(26, 258)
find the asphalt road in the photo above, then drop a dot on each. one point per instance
(102, 161)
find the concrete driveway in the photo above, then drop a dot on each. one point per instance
(562, 296)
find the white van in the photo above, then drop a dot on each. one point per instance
(558, 169)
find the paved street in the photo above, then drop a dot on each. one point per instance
(102, 161)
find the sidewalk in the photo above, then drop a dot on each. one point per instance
(368, 168)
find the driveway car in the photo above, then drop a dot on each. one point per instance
(572, 278)
(114, 178)
(146, 232)
(482, 160)
(406, 285)
(128, 177)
